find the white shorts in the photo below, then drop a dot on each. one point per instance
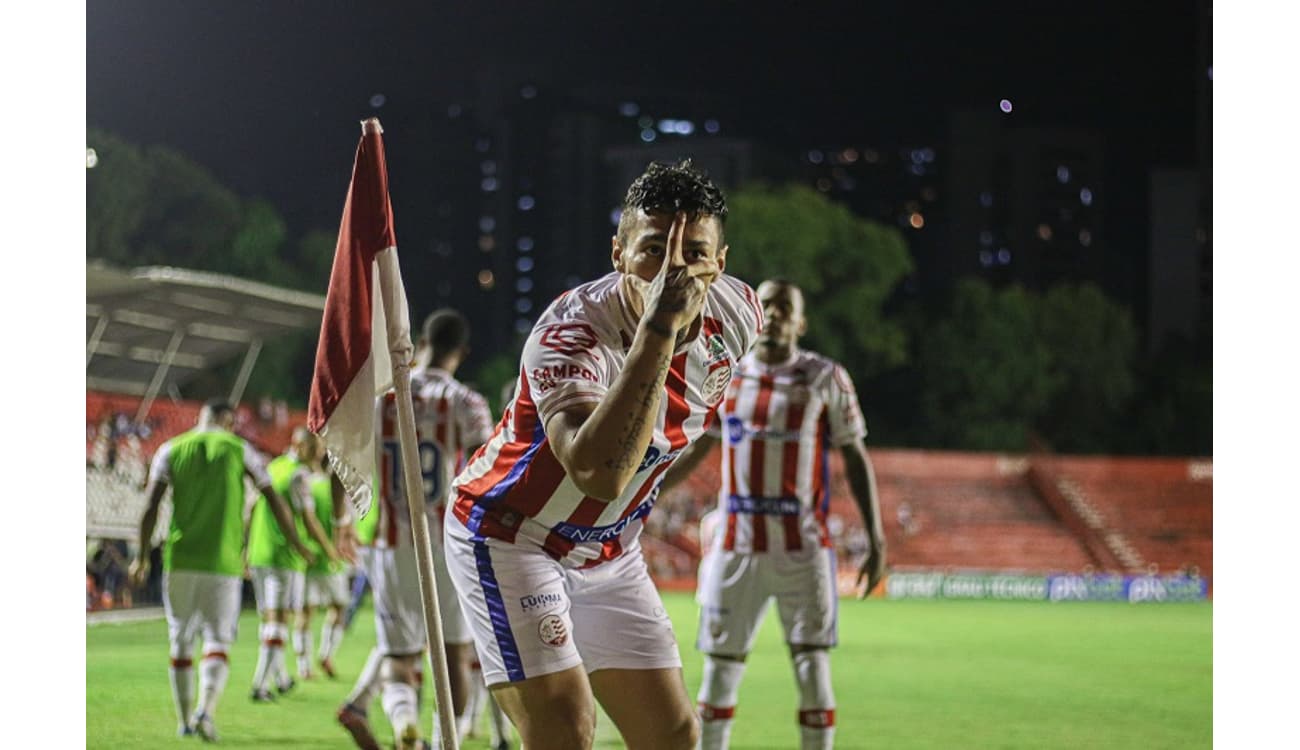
(531, 616)
(327, 590)
(399, 612)
(735, 588)
(276, 588)
(200, 602)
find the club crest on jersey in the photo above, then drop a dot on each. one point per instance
(715, 384)
(552, 630)
(569, 338)
(716, 348)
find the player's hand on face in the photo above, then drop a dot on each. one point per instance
(676, 294)
(138, 574)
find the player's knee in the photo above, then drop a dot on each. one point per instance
(812, 669)
(398, 669)
(682, 734)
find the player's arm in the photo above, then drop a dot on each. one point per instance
(318, 534)
(862, 482)
(345, 534)
(600, 445)
(686, 463)
(283, 517)
(139, 571)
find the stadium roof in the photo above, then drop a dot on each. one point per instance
(151, 328)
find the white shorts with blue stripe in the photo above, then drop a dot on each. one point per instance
(532, 616)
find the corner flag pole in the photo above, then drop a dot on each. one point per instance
(390, 286)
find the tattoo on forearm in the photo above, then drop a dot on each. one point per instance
(648, 391)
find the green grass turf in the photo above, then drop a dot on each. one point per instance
(908, 674)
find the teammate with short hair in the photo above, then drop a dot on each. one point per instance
(327, 582)
(451, 420)
(202, 564)
(618, 376)
(786, 408)
(278, 569)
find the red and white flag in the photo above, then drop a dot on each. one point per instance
(357, 338)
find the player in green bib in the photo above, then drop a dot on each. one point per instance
(205, 469)
(327, 585)
(278, 570)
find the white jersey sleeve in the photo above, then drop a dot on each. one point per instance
(565, 363)
(738, 302)
(842, 409)
(160, 469)
(255, 465)
(475, 420)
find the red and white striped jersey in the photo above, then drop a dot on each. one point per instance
(781, 421)
(515, 490)
(450, 418)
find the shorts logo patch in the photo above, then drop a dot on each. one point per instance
(552, 630)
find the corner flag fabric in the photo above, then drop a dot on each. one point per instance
(357, 338)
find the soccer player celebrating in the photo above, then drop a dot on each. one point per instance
(277, 568)
(202, 563)
(618, 376)
(327, 582)
(451, 420)
(786, 407)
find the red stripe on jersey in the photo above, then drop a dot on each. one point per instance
(819, 468)
(440, 433)
(557, 546)
(678, 410)
(754, 305)
(790, 473)
(758, 459)
(588, 510)
(608, 551)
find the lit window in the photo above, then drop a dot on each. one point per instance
(629, 109)
(647, 134)
(916, 220)
(524, 244)
(486, 243)
(815, 157)
(378, 101)
(486, 224)
(486, 280)
(849, 155)
(684, 127)
(986, 258)
(489, 184)
(524, 265)
(1085, 237)
(667, 126)
(1063, 174)
(1005, 106)
(917, 156)
(927, 154)
(615, 216)
(523, 285)
(645, 121)
(1044, 232)
(1004, 256)
(526, 203)
(523, 304)
(711, 126)
(918, 170)
(1085, 197)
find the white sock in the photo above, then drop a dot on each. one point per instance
(468, 721)
(265, 657)
(279, 670)
(363, 692)
(302, 651)
(331, 636)
(812, 672)
(400, 705)
(214, 670)
(719, 689)
(182, 679)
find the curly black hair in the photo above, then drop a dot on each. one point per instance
(669, 188)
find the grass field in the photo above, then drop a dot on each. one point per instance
(908, 674)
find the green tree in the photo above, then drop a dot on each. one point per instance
(1093, 342)
(985, 374)
(847, 267)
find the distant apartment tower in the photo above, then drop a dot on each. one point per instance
(1023, 204)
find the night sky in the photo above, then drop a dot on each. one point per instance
(267, 95)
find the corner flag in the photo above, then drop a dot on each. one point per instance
(356, 336)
